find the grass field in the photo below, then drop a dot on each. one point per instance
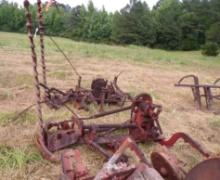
(144, 70)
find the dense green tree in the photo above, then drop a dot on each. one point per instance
(213, 34)
(167, 13)
(171, 24)
(189, 31)
(197, 22)
(90, 24)
(210, 49)
(134, 25)
(99, 27)
(55, 19)
(11, 17)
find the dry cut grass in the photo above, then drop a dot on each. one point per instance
(144, 70)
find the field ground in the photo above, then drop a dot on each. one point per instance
(144, 70)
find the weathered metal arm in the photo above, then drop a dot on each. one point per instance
(195, 144)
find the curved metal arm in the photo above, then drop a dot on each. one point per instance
(49, 90)
(109, 169)
(175, 137)
(194, 77)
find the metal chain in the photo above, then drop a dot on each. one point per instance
(41, 31)
(34, 60)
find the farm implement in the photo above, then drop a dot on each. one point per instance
(197, 89)
(101, 91)
(142, 127)
(56, 138)
(163, 165)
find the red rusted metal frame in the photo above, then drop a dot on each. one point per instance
(196, 86)
(98, 94)
(216, 96)
(121, 170)
(73, 166)
(70, 132)
(145, 115)
(92, 135)
(144, 126)
(175, 137)
(208, 169)
(167, 164)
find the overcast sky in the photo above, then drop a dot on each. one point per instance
(110, 5)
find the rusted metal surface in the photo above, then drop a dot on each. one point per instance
(171, 168)
(143, 172)
(163, 165)
(34, 59)
(101, 93)
(208, 169)
(113, 169)
(142, 128)
(73, 166)
(41, 31)
(197, 89)
(167, 164)
(145, 116)
(188, 139)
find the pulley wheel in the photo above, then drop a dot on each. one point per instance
(166, 164)
(97, 86)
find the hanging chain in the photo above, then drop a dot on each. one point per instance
(41, 31)
(34, 60)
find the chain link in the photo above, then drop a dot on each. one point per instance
(41, 31)
(34, 60)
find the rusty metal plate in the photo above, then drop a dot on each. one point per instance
(166, 164)
(206, 170)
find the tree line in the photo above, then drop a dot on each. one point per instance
(170, 24)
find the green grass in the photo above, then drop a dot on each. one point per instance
(6, 95)
(11, 158)
(10, 79)
(8, 117)
(133, 53)
(58, 75)
(215, 122)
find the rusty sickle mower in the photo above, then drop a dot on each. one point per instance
(197, 89)
(101, 91)
(143, 126)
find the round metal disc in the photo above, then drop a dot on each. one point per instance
(97, 86)
(208, 169)
(166, 165)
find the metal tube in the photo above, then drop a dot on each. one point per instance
(106, 113)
